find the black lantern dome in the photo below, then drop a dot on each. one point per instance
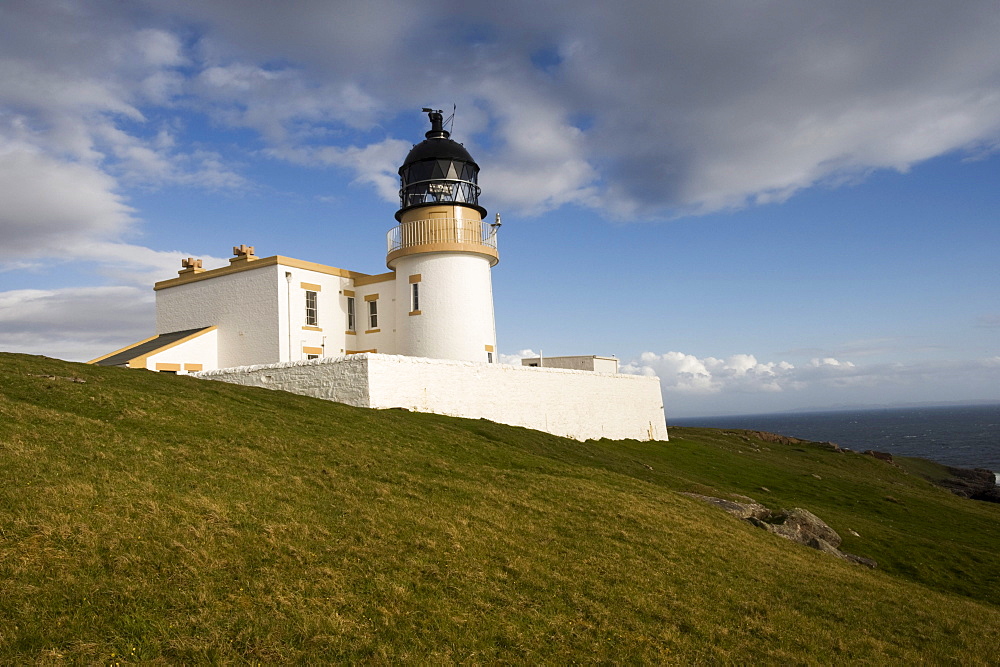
(438, 170)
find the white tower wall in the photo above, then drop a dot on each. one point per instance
(455, 316)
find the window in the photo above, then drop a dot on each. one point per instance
(312, 356)
(415, 297)
(489, 357)
(373, 314)
(351, 325)
(312, 318)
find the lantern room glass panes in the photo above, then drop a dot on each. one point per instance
(439, 181)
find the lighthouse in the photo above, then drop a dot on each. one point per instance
(442, 252)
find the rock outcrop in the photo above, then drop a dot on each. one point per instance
(797, 525)
(881, 456)
(774, 437)
(976, 484)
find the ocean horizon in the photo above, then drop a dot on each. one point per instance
(964, 436)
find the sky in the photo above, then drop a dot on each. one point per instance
(772, 205)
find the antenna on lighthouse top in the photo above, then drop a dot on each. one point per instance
(451, 118)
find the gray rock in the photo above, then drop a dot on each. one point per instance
(881, 456)
(797, 525)
(748, 510)
(802, 525)
(860, 560)
(977, 484)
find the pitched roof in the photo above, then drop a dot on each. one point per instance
(147, 347)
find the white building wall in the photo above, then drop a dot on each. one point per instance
(244, 305)
(456, 306)
(382, 337)
(329, 335)
(575, 404)
(577, 363)
(261, 314)
(198, 354)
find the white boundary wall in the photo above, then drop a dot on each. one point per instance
(576, 404)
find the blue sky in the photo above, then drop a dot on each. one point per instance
(772, 206)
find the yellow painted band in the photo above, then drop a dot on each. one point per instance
(471, 248)
(272, 261)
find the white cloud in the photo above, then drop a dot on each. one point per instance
(284, 104)
(656, 109)
(73, 137)
(137, 266)
(685, 374)
(157, 48)
(542, 164)
(50, 205)
(515, 359)
(375, 164)
(75, 324)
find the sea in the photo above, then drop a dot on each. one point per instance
(962, 436)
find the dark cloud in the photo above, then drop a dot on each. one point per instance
(691, 107)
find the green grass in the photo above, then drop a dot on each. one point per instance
(155, 518)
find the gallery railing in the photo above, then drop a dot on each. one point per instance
(436, 231)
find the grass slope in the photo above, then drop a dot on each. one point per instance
(155, 518)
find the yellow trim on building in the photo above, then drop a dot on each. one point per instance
(359, 351)
(311, 287)
(372, 331)
(371, 297)
(127, 347)
(193, 368)
(369, 280)
(471, 248)
(414, 312)
(489, 348)
(140, 362)
(351, 333)
(349, 292)
(309, 328)
(272, 261)
(168, 367)
(312, 350)
(415, 278)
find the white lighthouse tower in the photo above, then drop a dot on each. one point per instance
(442, 252)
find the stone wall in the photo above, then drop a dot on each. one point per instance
(575, 404)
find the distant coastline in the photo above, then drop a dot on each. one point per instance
(966, 435)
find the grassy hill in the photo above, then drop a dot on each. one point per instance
(156, 518)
